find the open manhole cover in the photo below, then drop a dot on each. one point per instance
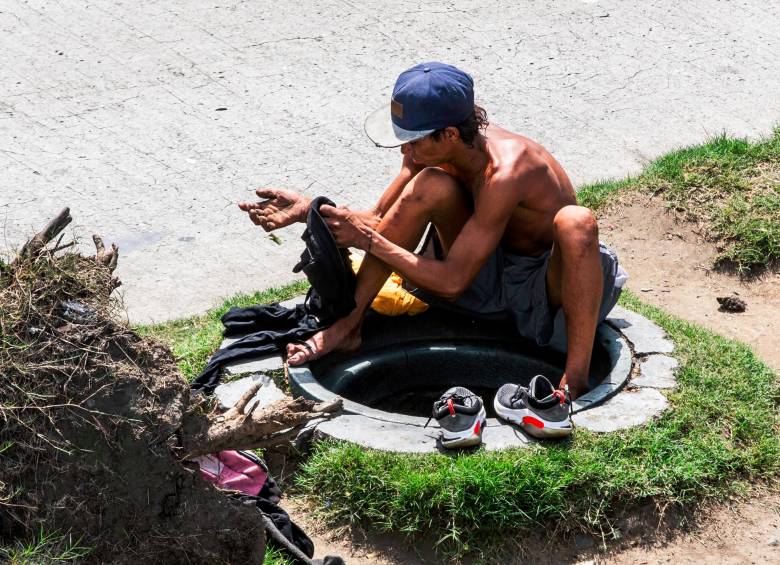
(406, 378)
(405, 363)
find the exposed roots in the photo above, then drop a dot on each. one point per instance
(244, 427)
(95, 421)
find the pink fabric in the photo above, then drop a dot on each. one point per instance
(231, 470)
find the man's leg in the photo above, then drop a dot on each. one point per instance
(432, 196)
(575, 283)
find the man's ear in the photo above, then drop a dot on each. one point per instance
(452, 134)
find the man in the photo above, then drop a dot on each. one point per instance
(505, 215)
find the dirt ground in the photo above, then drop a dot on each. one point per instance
(741, 533)
(670, 265)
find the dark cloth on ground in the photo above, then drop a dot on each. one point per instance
(281, 531)
(331, 296)
(286, 325)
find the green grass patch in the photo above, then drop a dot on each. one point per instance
(275, 556)
(597, 195)
(194, 339)
(719, 436)
(43, 549)
(729, 186)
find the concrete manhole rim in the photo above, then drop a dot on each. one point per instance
(637, 348)
(615, 344)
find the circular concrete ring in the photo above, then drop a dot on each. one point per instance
(395, 431)
(631, 393)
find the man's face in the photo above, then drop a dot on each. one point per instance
(428, 151)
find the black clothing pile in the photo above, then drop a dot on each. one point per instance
(331, 296)
(281, 531)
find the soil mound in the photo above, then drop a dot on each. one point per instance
(91, 417)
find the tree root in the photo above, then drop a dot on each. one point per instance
(36, 243)
(251, 428)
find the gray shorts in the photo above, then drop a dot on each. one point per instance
(516, 285)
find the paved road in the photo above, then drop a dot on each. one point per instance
(151, 119)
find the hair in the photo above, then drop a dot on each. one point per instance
(468, 128)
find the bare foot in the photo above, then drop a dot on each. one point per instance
(577, 387)
(341, 336)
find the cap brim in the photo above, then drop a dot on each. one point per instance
(380, 129)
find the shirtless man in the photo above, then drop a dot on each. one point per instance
(504, 212)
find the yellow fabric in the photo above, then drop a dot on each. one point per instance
(392, 299)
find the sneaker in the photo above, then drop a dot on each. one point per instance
(461, 415)
(540, 410)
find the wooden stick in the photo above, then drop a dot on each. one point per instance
(37, 242)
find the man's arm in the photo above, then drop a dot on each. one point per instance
(282, 207)
(477, 240)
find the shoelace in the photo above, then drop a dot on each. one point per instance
(460, 399)
(452, 397)
(516, 395)
(564, 396)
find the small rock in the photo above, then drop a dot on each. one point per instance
(731, 304)
(773, 542)
(648, 289)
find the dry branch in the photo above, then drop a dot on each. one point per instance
(37, 242)
(253, 428)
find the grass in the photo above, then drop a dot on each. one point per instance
(730, 187)
(720, 436)
(51, 548)
(45, 548)
(275, 556)
(194, 339)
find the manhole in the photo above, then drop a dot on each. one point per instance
(406, 378)
(405, 363)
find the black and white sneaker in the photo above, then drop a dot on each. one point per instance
(540, 410)
(461, 416)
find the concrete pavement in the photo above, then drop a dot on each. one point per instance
(151, 119)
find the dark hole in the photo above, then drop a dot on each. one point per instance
(419, 402)
(406, 364)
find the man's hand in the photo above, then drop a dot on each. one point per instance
(349, 228)
(279, 209)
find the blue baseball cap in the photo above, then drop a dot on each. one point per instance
(427, 97)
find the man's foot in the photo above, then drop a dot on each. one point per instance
(341, 336)
(540, 410)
